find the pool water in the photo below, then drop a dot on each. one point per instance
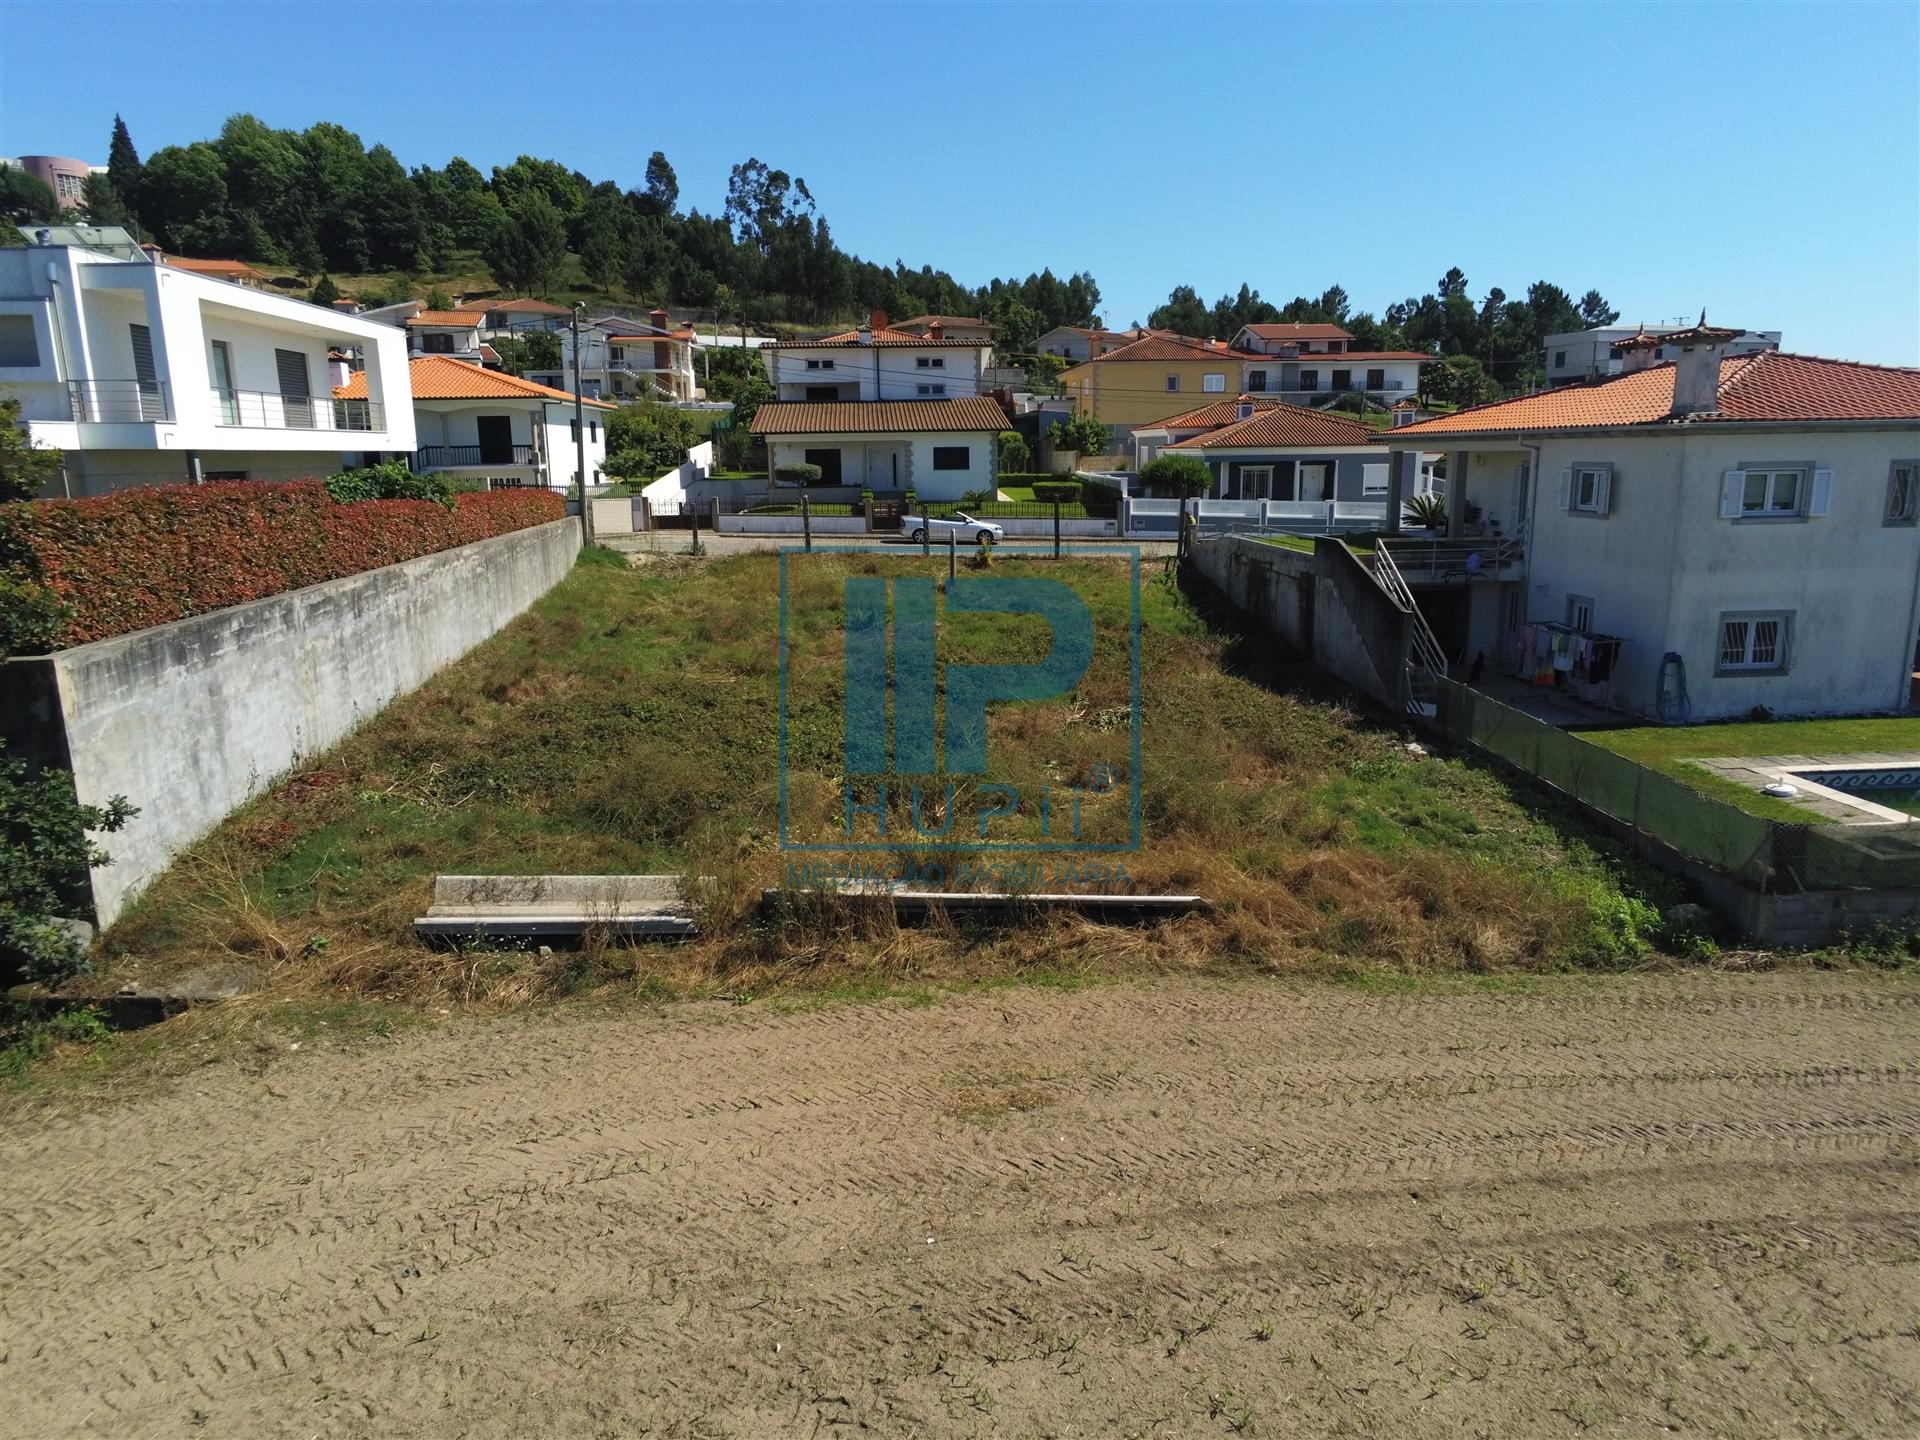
(1896, 787)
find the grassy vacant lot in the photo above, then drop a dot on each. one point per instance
(1671, 749)
(628, 724)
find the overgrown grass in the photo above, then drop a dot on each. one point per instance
(628, 724)
(1671, 749)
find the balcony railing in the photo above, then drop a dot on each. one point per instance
(453, 457)
(120, 402)
(270, 410)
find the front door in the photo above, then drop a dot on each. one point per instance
(496, 439)
(1316, 481)
(884, 467)
(829, 463)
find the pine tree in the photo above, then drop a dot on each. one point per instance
(325, 292)
(123, 163)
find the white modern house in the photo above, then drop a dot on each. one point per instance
(1722, 534)
(490, 426)
(877, 362)
(626, 359)
(146, 373)
(941, 449)
(446, 332)
(1576, 355)
(1302, 363)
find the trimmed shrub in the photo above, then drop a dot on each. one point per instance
(144, 557)
(1067, 492)
(1179, 476)
(1081, 434)
(389, 481)
(798, 474)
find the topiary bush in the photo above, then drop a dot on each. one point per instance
(1180, 476)
(798, 474)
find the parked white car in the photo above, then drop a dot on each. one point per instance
(962, 525)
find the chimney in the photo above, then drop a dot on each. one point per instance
(1637, 351)
(936, 331)
(878, 320)
(659, 319)
(1696, 370)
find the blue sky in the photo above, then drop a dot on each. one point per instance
(1762, 161)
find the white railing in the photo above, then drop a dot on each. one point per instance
(1489, 556)
(1427, 655)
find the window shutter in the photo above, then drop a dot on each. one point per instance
(1821, 500)
(1566, 489)
(1733, 486)
(1603, 502)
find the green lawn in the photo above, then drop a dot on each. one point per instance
(1360, 542)
(628, 724)
(1669, 748)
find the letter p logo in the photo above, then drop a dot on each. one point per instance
(970, 688)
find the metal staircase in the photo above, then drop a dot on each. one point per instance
(1427, 662)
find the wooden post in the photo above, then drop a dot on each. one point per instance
(953, 553)
(926, 531)
(1056, 528)
(806, 521)
(693, 514)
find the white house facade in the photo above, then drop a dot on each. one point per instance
(145, 373)
(1300, 363)
(941, 449)
(875, 363)
(1744, 533)
(490, 426)
(1579, 355)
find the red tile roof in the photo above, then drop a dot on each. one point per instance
(649, 339)
(877, 417)
(219, 269)
(973, 320)
(464, 319)
(888, 336)
(1291, 331)
(1769, 386)
(441, 377)
(1173, 347)
(1342, 357)
(1289, 427)
(1209, 417)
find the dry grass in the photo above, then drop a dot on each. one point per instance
(627, 725)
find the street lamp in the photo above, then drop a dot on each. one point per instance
(579, 422)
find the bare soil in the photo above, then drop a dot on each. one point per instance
(1617, 1207)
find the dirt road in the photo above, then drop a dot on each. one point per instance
(1616, 1208)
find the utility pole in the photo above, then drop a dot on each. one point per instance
(579, 424)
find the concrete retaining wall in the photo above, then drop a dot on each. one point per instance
(1325, 604)
(192, 719)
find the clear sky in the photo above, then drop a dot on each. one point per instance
(1762, 161)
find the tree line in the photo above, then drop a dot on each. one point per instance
(319, 201)
(1489, 347)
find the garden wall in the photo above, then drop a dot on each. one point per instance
(191, 719)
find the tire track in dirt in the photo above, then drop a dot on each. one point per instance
(587, 1223)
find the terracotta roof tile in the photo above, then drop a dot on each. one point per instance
(1209, 417)
(1769, 386)
(1290, 331)
(466, 319)
(1283, 427)
(942, 320)
(441, 377)
(218, 268)
(1173, 347)
(880, 337)
(877, 417)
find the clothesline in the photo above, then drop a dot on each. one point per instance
(1550, 653)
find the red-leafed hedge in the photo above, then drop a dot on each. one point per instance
(143, 557)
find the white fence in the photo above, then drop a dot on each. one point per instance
(1162, 517)
(671, 488)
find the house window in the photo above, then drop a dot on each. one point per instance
(1590, 490)
(1580, 613)
(593, 431)
(823, 392)
(1559, 359)
(930, 362)
(19, 344)
(1903, 492)
(1256, 380)
(1343, 380)
(1377, 379)
(819, 364)
(1336, 347)
(1309, 379)
(1772, 492)
(939, 389)
(573, 432)
(1173, 384)
(1213, 383)
(437, 344)
(1754, 643)
(952, 457)
(1373, 479)
(1256, 482)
